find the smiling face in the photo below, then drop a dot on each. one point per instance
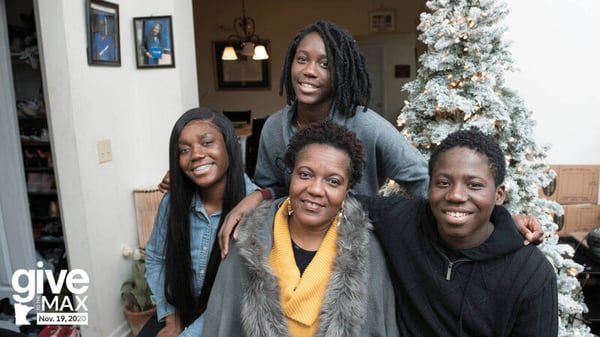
(320, 182)
(462, 196)
(310, 73)
(203, 155)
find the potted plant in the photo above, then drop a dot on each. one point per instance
(135, 293)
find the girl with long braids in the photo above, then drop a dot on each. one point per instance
(325, 77)
(207, 180)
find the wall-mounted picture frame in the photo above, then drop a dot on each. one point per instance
(104, 47)
(154, 47)
(243, 73)
(382, 20)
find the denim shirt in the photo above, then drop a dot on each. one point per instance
(203, 232)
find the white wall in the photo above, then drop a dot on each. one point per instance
(555, 45)
(133, 108)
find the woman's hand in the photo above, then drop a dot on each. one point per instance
(172, 327)
(530, 228)
(165, 183)
(230, 224)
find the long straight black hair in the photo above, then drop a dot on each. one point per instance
(179, 271)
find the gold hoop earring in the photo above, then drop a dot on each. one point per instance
(339, 217)
(290, 210)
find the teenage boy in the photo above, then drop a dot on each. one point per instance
(459, 265)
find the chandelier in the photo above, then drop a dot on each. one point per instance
(244, 35)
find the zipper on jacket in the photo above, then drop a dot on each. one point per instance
(449, 271)
(451, 265)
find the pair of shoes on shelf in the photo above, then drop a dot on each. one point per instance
(34, 135)
(28, 108)
(40, 182)
(41, 137)
(52, 256)
(52, 231)
(37, 158)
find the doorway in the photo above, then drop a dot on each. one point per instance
(384, 55)
(16, 244)
(30, 224)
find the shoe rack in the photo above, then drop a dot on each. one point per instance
(41, 188)
(35, 142)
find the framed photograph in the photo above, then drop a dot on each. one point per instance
(382, 20)
(104, 47)
(154, 42)
(243, 73)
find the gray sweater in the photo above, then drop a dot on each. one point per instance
(359, 299)
(387, 153)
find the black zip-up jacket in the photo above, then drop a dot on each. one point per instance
(500, 288)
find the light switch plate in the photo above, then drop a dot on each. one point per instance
(104, 151)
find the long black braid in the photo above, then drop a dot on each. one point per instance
(348, 71)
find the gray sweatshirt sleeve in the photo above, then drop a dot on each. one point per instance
(270, 170)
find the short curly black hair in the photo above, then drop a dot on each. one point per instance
(477, 141)
(332, 134)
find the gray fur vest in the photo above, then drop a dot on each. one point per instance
(344, 308)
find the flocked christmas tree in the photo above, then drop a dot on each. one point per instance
(460, 85)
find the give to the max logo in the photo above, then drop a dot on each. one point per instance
(29, 283)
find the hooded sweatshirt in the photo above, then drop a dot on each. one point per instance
(499, 288)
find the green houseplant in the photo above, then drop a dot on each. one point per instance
(135, 294)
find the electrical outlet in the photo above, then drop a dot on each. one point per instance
(104, 151)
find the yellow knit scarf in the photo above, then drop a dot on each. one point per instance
(301, 296)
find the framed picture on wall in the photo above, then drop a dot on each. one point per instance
(154, 42)
(104, 48)
(243, 73)
(382, 20)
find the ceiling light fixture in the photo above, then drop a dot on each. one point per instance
(245, 37)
